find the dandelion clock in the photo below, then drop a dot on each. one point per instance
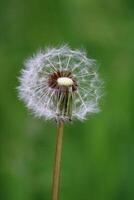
(62, 85)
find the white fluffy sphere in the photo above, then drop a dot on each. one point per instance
(60, 84)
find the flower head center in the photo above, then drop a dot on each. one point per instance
(62, 80)
(65, 81)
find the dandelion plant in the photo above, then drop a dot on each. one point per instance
(62, 85)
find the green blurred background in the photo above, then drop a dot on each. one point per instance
(98, 155)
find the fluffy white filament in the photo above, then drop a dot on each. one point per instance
(39, 97)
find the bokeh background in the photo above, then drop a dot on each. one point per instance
(98, 155)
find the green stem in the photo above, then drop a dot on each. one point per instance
(56, 172)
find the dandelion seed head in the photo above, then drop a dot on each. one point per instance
(60, 84)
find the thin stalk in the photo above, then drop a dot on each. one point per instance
(56, 172)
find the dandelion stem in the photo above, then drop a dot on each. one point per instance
(56, 172)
